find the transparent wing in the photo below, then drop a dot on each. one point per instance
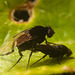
(7, 45)
(21, 33)
(20, 37)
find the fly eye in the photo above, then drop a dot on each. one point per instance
(69, 52)
(48, 31)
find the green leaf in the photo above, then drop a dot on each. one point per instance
(60, 15)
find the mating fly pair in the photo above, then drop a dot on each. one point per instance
(28, 39)
(31, 39)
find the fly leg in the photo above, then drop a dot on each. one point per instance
(59, 58)
(17, 61)
(47, 43)
(29, 60)
(32, 50)
(39, 60)
(7, 53)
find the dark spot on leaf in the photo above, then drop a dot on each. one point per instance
(21, 15)
(24, 13)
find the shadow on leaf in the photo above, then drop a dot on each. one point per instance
(51, 62)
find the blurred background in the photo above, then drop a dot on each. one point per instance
(58, 14)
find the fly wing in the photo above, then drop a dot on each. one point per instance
(21, 33)
(7, 45)
(20, 38)
(25, 38)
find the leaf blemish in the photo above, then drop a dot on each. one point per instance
(24, 13)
